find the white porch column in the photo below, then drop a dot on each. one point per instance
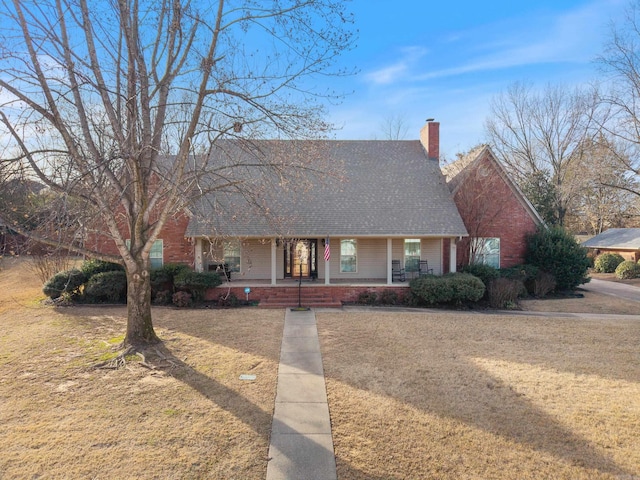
(389, 258)
(197, 262)
(274, 260)
(327, 269)
(452, 255)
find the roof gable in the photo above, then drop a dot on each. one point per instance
(456, 172)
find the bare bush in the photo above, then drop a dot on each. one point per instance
(543, 284)
(46, 264)
(504, 292)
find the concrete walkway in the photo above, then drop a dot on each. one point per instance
(301, 443)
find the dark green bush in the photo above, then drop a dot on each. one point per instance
(196, 283)
(93, 266)
(431, 289)
(607, 262)
(465, 287)
(450, 288)
(367, 298)
(486, 273)
(555, 251)
(162, 279)
(68, 281)
(106, 287)
(628, 269)
(524, 273)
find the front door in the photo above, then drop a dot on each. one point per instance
(300, 259)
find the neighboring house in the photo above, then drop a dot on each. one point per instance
(388, 206)
(496, 214)
(625, 241)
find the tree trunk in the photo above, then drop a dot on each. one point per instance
(139, 325)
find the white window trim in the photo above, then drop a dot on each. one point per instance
(355, 245)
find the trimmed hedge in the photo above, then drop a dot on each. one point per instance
(607, 262)
(68, 281)
(196, 283)
(628, 269)
(93, 266)
(106, 287)
(450, 288)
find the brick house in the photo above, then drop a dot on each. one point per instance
(497, 215)
(389, 217)
(624, 241)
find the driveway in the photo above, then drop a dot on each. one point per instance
(628, 292)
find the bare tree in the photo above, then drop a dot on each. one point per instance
(541, 134)
(394, 127)
(620, 61)
(94, 94)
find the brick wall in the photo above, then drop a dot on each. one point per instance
(176, 248)
(490, 208)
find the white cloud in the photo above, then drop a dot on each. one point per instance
(397, 71)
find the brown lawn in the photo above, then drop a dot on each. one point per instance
(412, 394)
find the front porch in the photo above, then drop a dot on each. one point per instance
(330, 261)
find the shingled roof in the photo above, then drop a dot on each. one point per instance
(616, 238)
(387, 188)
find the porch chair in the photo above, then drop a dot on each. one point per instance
(423, 268)
(397, 273)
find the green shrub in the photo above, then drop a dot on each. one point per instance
(607, 262)
(367, 298)
(162, 279)
(196, 283)
(486, 273)
(503, 292)
(556, 252)
(524, 273)
(93, 266)
(182, 299)
(106, 287)
(450, 288)
(465, 287)
(431, 289)
(628, 269)
(68, 282)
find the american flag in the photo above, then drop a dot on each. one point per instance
(327, 250)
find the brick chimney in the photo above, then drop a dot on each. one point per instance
(430, 139)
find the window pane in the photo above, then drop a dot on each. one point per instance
(231, 253)
(486, 251)
(411, 254)
(348, 263)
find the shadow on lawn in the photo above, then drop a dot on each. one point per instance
(436, 374)
(238, 405)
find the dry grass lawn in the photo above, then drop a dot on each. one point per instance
(412, 394)
(445, 395)
(192, 417)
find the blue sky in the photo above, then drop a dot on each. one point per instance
(446, 59)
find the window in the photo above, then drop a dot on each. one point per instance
(485, 251)
(411, 254)
(348, 262)
(155, 255)
(231, 254)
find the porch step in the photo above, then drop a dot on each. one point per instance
(280, 299)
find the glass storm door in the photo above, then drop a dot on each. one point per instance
(300, 258)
